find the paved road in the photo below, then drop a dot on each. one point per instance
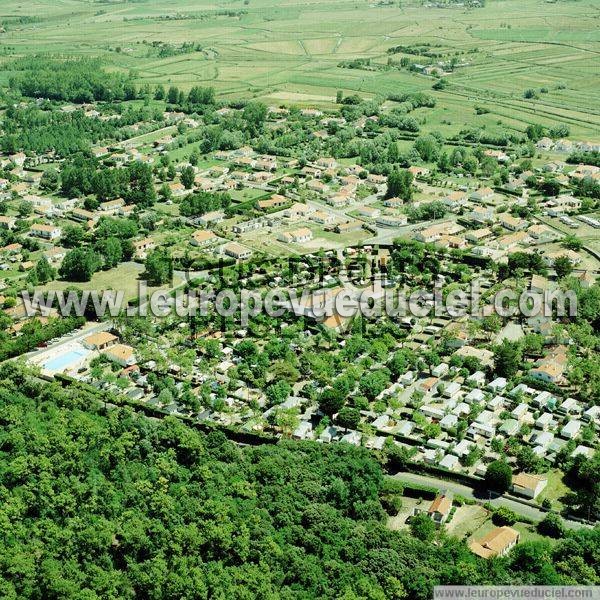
(468, 492)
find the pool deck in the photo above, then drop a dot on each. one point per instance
(81, 357)
(70, 343)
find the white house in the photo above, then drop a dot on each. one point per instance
(449, 421)
(498, 385)
(211, 218)
(477, 378)
(450, 462)
(474, 396)
(545, 421)
(462, 448)
(48, 232)
(520, 411)
(451, 390)
(571, 429)
(405, 428)
(432, 412)
(530, 486)
(122, 354)
(440, 370)
(462, 408)
(298, 236)
(303, 431)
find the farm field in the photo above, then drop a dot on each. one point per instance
(291, 53)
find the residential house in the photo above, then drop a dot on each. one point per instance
(122, 354)
(550, 257)
(392, 220)
(545, 421)
(484, 356)
(512, 223)
(177, 189)
(439, 509)
(84, 216)
(455, 200)
(298, 210)
(477, 236)
(539, 284)
(142, 247)
(583, 171)
(544, 143)
(530, 486)
(498, 155)
(335, 322)
(484, 194)
(339, 199)
(571, 430)
(450, 462)
(203, 237)
(498, 385)
(7, 222)
(55, 254)
(548, 371)
(433, 412)
(377, 179)
(317, 186)
(211, 218)
(565, 203)
(322, 217)
(237, 251)
(520, 411)
(326, 163)
(434, 232)
(99, 341)
(251, 225)
(542, 233)
(448, 422)
(368, 211)
(303, 431)
(275, 201)
(47, 232)
(570, 407)
(418, 172)
(482, 215)
(349, 226)
(440, 370)
(462, 448)
(298, 236)
(477, 378)
(452, 241)
(393, 203)
(496, 543)
(111, 206)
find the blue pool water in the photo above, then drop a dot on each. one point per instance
(63, 361)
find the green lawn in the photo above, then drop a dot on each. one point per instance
(124, 277)
(555, 489)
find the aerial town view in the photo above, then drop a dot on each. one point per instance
(299, 299)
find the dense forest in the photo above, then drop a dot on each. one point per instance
(102, 502)
(71, 80)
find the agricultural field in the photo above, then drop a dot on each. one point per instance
(290, 53)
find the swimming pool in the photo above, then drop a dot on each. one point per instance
(63, 361)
